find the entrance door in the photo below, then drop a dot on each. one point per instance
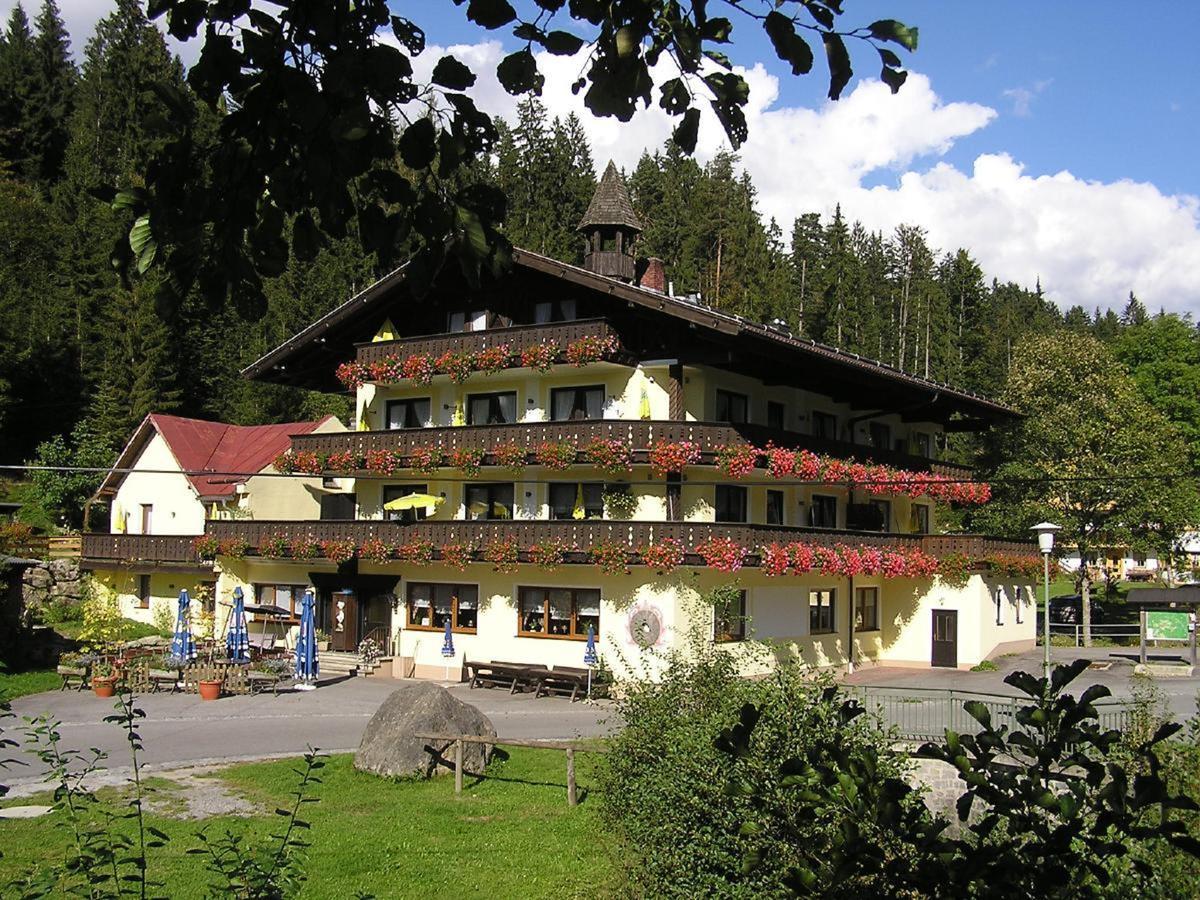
(945, 639)
(344, 621)
(377, 620)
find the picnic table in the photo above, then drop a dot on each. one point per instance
(562, 680)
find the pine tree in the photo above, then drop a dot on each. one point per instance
(1134, 312)
(18, 82)
(54, 95)
(808, 250)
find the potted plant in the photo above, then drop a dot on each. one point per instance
(104, 678)
(322, 640)
(210, 688)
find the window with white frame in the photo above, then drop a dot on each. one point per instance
(866, 609)
(821, 603)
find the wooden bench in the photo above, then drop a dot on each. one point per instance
(563, 680)
(504, 674)
(261, 681)
(73, 676)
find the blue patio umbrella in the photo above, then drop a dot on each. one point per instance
(237, 638)
(183, 645)
(307, 665)
(448, 643)
(589, 652)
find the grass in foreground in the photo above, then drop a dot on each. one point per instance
(510, 834)
(32, 681)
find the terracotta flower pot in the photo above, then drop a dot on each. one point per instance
(210, 690)
(105, 686)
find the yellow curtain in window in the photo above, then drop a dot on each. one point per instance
(578, 512)
(118, 519)
(644, 406)
(386, 332)
(460, 415)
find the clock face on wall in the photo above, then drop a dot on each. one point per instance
(645, 627)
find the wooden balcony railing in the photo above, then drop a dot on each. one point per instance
(518, 337)
(170, 549)
(639, 434)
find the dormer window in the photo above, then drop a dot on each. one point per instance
(475, 320)
(555, 311)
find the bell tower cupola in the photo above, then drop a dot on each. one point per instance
(610, 227)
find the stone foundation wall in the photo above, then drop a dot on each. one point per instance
(48, 583)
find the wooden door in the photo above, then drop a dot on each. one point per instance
(345, 622)
(945, 639)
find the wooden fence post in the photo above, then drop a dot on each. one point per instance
(572, 800)
(458, 766)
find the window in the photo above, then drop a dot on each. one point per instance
(823, 511)
(558, 612)
(476, 320)
(731, 503)
(489, 501)
(395, 492)
(554, 311)
(820, 611)
(577, 403)
(567, 496)
(919, 519)
(285, 596)
(881, 435)
(147, 518)
(729, 617)
(882, 513)
(408, 413)
(143, 592)
(731, 407)
(824, 425)
(1018, 601)
(999, 606)
(775, 414)
(492, 409)
(866, 609)
(431, 606)
(921, 445)
(337, 507)
(774, 507)
(674, 497)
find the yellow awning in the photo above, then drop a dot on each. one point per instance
(427, 502)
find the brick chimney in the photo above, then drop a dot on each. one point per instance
(653, 276)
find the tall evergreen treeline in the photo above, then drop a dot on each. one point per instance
(86, 355)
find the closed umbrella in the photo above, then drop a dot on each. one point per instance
(237, 638)
(307, 665)
(448, 648)
(183, 645)
(589, 656)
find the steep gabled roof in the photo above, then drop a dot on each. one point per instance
(199, 445)
(611, 204)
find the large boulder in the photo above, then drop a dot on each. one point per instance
(390, 747)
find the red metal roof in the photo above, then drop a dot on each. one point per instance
(215, 446)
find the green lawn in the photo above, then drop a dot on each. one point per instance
(510, 834)
(34, 681)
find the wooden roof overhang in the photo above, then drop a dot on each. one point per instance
(653, 325)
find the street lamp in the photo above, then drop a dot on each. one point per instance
(1045, 534)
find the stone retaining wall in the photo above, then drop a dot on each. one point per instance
(48, 583)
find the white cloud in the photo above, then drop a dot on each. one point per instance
(1022, 97)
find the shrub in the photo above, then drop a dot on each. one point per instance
(62, 611)
(663, 785)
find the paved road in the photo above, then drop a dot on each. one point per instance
(181, 729)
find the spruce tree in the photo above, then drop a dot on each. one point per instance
(54, 94)
(808, 250)
(18, 82)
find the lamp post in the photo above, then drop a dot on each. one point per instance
(1045, 534)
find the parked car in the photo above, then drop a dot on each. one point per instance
(1068, 610)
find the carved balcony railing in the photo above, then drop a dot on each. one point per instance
(639, 434)
(518, 338)
(161, 549)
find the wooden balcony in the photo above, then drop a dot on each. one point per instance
(640, 434)
(590, 533)
(156, 551)
(518, 338)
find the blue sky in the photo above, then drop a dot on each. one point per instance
(1056, 141)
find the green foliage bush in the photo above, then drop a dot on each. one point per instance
(663, 785)
(61, 611)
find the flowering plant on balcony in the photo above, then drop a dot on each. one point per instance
(338, 551)
(620, 504)
(808, 466)
(206, 546)
(722, 553)
(417, 552)
(548, 554)
(387, 370)
(352, 375)
(305, 547)
(667, 458)
(612, 455)
(955, 569)
(611, 556)
(781, 462)
(291, 461)
(554, 454)
(491, 360)
(275, 545)
(385, 462)
(835, 470)
(457, 555)
(737, 460)
(540, 357)
(664, 556)
(425, 459)
(510, 455)
(457, 365)
(503, 554)
(919, 564)
(590, 349)
(419, 368)
(774, 559)
(284, 462)
(376, 550)
(827, 561)
(467, 460)
(801, 558)
(341, 461)
(1012, 565)
(234, 547)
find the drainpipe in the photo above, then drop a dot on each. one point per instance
(850, 609)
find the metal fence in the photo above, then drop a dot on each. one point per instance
(1125, 633)
(924, 714)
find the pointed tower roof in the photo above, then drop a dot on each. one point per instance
(611, 204)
